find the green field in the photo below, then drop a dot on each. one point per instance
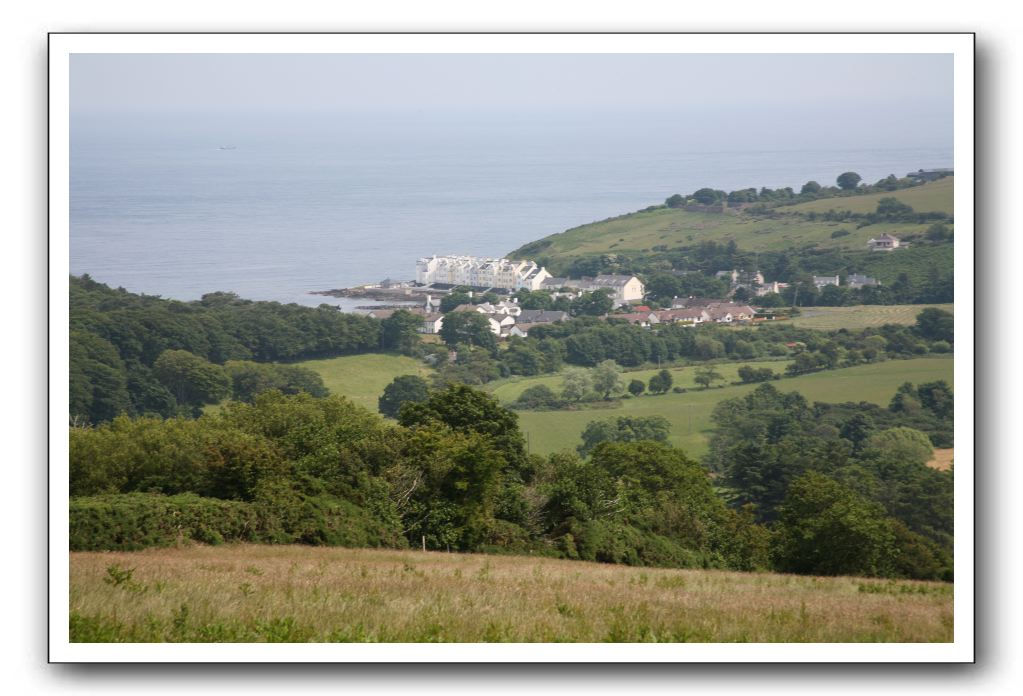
(935, 196)
(362, 378)
(641, 232)
(860, 316)
(294, 594)
(507, 390)
(690, 413)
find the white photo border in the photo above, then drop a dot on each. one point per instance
(63, 45)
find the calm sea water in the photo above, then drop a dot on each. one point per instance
(279, 216)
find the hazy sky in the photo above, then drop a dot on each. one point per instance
(879, 99)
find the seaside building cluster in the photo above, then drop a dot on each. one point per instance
(480, 272)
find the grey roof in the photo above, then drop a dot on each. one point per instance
(541, 316)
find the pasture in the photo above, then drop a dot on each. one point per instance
(362, 378)
(248, 593)
(860, 316)
(690, 413)
(935, 196)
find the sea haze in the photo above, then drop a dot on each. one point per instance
(303, 204)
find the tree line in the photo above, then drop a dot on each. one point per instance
(454, 471)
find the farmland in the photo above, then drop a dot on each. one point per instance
(247, 593)
(860, 316)
(935, 196)
(690, 413)
(673, 227)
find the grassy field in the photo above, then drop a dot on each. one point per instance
(935, 196)
(860, 316)
(673, 228)
(362, 378)
(306, 594)
(507, 390)
(690, 413)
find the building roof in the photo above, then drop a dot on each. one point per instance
(541, 316)
(612, 281)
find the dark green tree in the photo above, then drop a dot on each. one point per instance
(661, 382)
(624, 429)
(468, 328)
(810, 187)
(824, 528)
(192, 380)
(593, 304)
(706, 375)
(936, 324)
(400, 332)
(402, 389)
(636, 387)
(849, 180)
(675, 201)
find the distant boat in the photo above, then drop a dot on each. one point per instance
(227, 147)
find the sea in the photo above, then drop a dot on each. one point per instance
(274, 214)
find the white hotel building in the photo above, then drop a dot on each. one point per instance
(480, 272)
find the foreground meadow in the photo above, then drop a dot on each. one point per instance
(248, 593)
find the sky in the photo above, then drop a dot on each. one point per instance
(879, 99)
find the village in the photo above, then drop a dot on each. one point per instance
(496, 280)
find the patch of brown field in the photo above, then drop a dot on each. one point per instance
(248, 593)
(942, 459)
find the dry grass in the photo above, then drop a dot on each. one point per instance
(943, 459)
(301, 594)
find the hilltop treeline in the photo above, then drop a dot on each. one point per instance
(118, 338)
(454, 471)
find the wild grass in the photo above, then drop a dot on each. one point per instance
(860, 316)
(302, 594)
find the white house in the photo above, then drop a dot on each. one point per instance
(824, 281)
(432, 323)
(885, 242)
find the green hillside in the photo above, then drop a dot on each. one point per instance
(935, 196)
(690, 413)
(672, 228)
(650, 239)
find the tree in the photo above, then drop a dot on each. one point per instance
(607, 379)
(935, 324)
(938, 232)
(453, 299)
(192, 380)
(749, 374)
(706, 375)
(904, 445)
(824, 528)
(539, 397)
(624, 429)
(250, 378)
(893, 209)
(593, 304)
(661, 382)
(636, 387)
(577, 385)
(402, 389)
(706, 196)
(400, 332)
(468, 328)
(464, 410)
(849, 180)
(810, 187)
(675, 201)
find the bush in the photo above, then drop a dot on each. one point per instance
(539, 398)
(134, 521)
(840, 233)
